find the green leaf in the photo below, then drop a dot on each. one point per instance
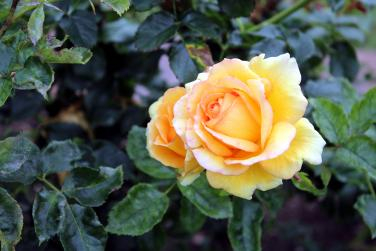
(91, 187)
(136, 149)
(81, 28)
(139, 212)
(271, 47)
(338, 90)
(302, 46)
(81, 230)
(201, 24)
(143, 5)
(59, 155)
(155, 30)
(237, 8)
(331, 119)
(363, 113)
(75, 55)
(272, 200)
(16, 160)
(119, 31)
(7, 55)
(11, 221)
(200, 53)
(48, 214)
(35, 24)
(35, 75)
(244, 228)
(304, 183)
(191, 219)
(207, 199)
(5, 90)
(120, 6)
(343, 61)
(182, 64)
(359, 153)
(336, 5)
(366, 206)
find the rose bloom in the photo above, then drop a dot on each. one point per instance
(162, 141)
(241, 121)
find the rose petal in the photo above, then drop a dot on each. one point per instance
(216, 163)
(307, 144)
(285, 95)
(245, 184)
(278, 142)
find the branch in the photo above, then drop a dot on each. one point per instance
(9, 19)
(281, 15)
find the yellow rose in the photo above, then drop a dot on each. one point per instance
(162, 141)
(243, 123)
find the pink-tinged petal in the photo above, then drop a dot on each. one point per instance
(279, 141)
(245, 184)
(216, 163)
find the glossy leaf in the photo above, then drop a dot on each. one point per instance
(343, 61)
(191, 219)
(16, 160)
(81, 28)
(91, 187)
(75, 55)
(304, 183)
(35, 75)
(366, 206)
(182, 64)
(35, 24)
(11, 221)
(302, 46)
(120, 6)
(7, 54)
(331, 119)
(81, 229)
(59, 155)
(143, 5)
(139, 212)
(363, 113)
(5, 90)
(136, 149)
(237, 8)
(244, 228)
(338, 90)
(208, 200)
(359, 153)
(155, 30)
(201, 24)
(48, 214)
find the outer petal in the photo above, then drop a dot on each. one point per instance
(245, 184)
(279, 141)
(307, 144)
(285, 95)
(191, 170)
(216, 163)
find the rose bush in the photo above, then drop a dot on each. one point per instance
(84, 166)
(242, 121)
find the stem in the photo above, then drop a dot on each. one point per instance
(9, 19)
(49, 184)
(174, 7)
(281, 15)
(370, 186)
(170, 188)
